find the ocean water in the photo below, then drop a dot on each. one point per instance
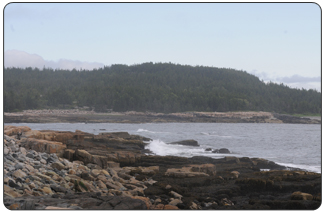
(292, 145)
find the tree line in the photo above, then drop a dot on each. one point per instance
(155, 87)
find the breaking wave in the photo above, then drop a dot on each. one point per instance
(161, 148)
(216, 135)
(147, 131)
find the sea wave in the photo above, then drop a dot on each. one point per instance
(216, 135)
(148, 131)
(317, 169)
(161, 148)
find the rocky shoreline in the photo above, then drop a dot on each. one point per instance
(78, 170)
(77, 116)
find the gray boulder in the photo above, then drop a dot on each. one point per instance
(19, 166)
(190, 142)
(222, 150)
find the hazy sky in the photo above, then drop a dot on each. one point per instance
(280, 42)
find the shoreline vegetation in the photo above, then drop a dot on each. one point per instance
(159, 87)
(77, 170)
(77, 116)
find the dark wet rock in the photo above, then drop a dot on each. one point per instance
(146, 151)
(222, 150)
(190, 142)
(50, 160)
(132, 180)
(13, 184)
(87, 200)
(58, 188)
(30, 155)
(125, 135)
(86, 175)
(294, 119)
(274, 188)
(15, 155)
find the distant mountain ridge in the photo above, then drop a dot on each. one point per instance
(156, 87)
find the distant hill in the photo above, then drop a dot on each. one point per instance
(156, 87)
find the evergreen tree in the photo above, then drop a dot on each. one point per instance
(156, 87)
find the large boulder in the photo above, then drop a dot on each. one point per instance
(83, 155)
(100, 160)
(88, 158)
(224, 150)
(190, 142)
(91, 141)
(59, 136)
(33, 134)
(117, 142)
(125, 158)
(11, 192)
(125, 135)
(69, 154)
(221, 150)
(44, 146)
(13, 130)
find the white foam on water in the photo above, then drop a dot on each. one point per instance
(142, 130)
(158, 147)
(216, 135)
(204, 133)
(161, 148)
(309, 168)
(148, 131)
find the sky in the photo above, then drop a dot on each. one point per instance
(278, 42)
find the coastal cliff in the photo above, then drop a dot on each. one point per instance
(78, 170)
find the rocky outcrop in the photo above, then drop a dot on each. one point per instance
(190, 142)
(100, 178)
(221, 150)
(295, 120)
(29, 174)
(125, 135)
(102, 148)
(75, 201)
(59, 136)
(248, 188)
(13, 130)
(43, 146)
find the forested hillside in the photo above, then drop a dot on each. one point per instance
(159, 87)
